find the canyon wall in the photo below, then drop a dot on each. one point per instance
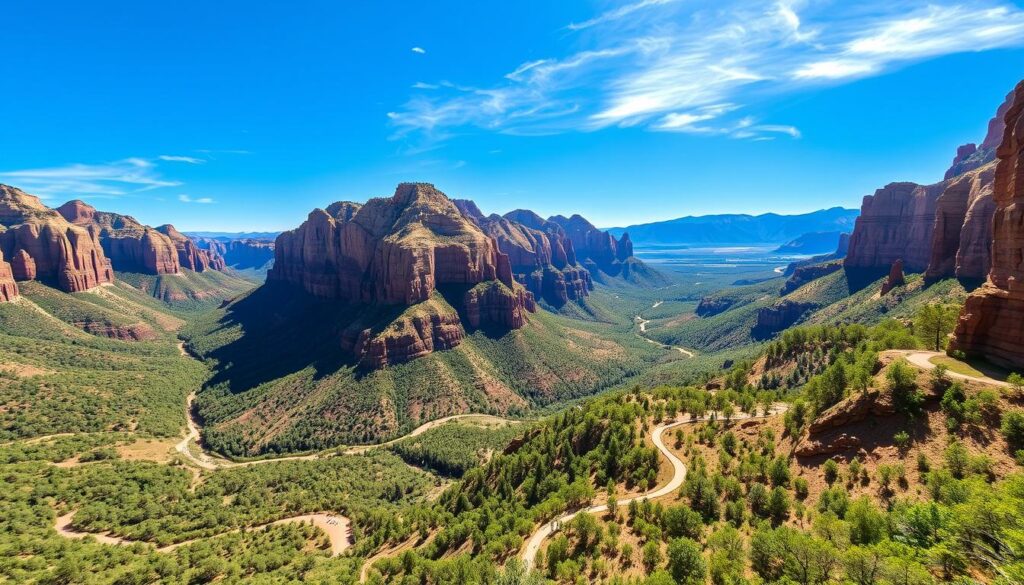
(992, 321)
(190, 255)
(8, 288)
(41, 245)
(130, 245)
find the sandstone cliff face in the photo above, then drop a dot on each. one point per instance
(597, 250)
(130, 245)
(896, 223)
(8, 288)
(190, 255)
(896, 278)
(404, 250)
(962, 237)
(771, 320)
(992, 321)
(539, 256)
(42, 245)
(969, 156)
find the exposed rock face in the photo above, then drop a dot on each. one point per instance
(771, 320)
(8, 288)
(597, 250)
(404, 250)
(992, 321)
(896, 277)
(941, 229)
(43, 245)
(709, 306)
(962, 239)
(130, 245)
(896, 223)
(540, 256)
(804, 274)
(190, 255)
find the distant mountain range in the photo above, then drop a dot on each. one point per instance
(812, 243)
(769, 228)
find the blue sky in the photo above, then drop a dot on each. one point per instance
(244, 116)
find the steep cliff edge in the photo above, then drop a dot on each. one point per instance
(8, 288)
(42, 245)
(190, 255)
(992, 321)
(130, 245)
(414, 249)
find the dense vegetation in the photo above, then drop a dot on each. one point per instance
(456, 447)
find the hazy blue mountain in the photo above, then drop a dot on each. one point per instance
(812, 243)
(228, 236)
(769, 228)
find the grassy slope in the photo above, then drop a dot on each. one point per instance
(190, 291)
(58, 378)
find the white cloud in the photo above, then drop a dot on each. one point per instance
(421, 85)
(188, 199)
(122, 177)
(664, 65)
(185, 159)
(419, 50)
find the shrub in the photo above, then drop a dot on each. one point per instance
(1013, 428)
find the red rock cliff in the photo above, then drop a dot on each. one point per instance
(190, 255)
(130, 245)
(414, 249)
(895, 223)
(8, 288)
(962, 236)
(42, 245)
(992, 321)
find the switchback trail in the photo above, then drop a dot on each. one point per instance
(923, 360)
(533, 545)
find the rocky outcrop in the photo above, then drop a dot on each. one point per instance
(992, 321)
(8, 288)
(941, 229)
(896, 278)
(408, 249)
(542, 257)
(710, 306)
(771, 320)
(130, 245)
(42, 245)
(962, 238)
(595, 249)
(804, 274)
(896, 223)
(190, 255)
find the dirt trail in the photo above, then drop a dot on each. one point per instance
(533, 545)
(642, 326)
(337, 528)
(922, 360)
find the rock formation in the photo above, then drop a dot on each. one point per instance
(804, 274)
(943, 229)
(542, 257)
(130, 245)
(597, 250)
(42, 245)
(895, 278)
(992, 321)
(190, 255)
(771, 320)
(414, 249)
(8, 288)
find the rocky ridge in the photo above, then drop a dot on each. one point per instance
(130, 245)
(41, 245)
(190, 255)
(992, 321)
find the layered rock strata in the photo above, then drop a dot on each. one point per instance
(42, 245)
(190, 255)
(8, 288)
(130, 245)
(992, 321)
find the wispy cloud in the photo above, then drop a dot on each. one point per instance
(184, 159)
(671, 66)
(419, 50)
(117, 178)
(189, 199)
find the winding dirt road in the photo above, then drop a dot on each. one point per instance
(642, 326)
(337, 528)
(923, 360)
(529, 554)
